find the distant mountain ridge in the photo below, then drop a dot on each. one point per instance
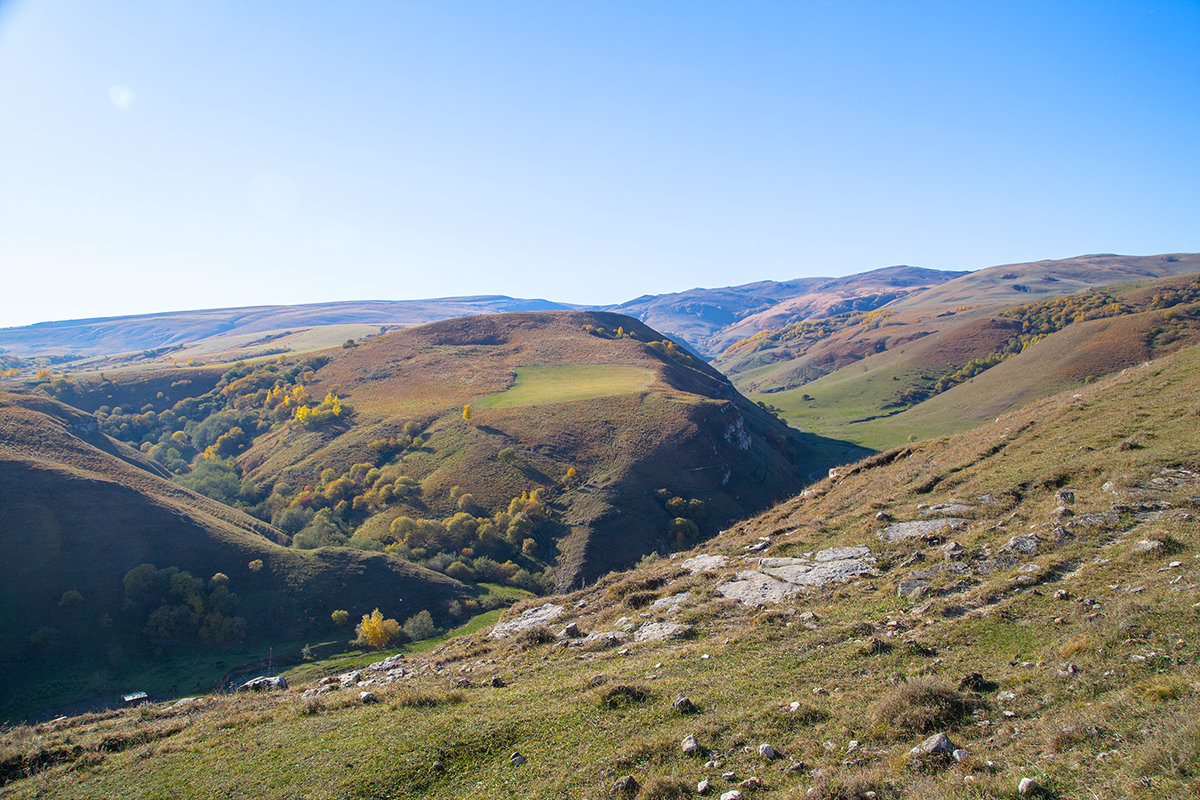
(707, 320)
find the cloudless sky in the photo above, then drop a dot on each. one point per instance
(161, 155)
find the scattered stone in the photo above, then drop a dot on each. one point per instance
(683, 704)
(516, 759)
(728, 776)
(842, 553)
(702, 787)
(938, 744)
(672, 603)
(599, 640)
(712, 764)
(498, 682)
(854, 744)
(1028, 787)
(883, 516)
(542, 615)
(463, 683)
(1107, 754)
(767, 751)
(1062, 594)
(262, 683)
(1147, 546)
(571, 632)
(807, 616)
(899, 531)
(389, 663)
(913, 589)
(1023, 545)
(732, 795)
(797, 766)
(367, 698)
(659, 631)
(755, 589)
(704, 563)
(690, 748)
(960, 755)
(1093, 519)
(1064, 497)
(1067, 670)
(350, 678)
(437, 766)
(946, 509)
(750, 784)
(627, 785)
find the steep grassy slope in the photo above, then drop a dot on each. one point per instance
(81, 510)
(957, 369)
(1049, 627)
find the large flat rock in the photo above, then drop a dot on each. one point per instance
(899, 531)
(542, 615)
(755, 589)
(704, 563)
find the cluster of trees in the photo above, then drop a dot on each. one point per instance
(180, 608)
(669, 349)
(331, 409)
(686, 517)
(605, 333)
(247, 401)
(376, 632)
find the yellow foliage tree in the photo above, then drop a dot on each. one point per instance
(467, 412)
(376, 632)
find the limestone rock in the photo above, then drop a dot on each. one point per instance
(1023, 545)
(659, 631)
(571, 632)
(703, 786)
(683, 704)
(733, 795)
(937, 744)
(767, 751)
(672, 603)
(542, 615)
(1027, 787)
(262, 683)
(899, 531)
(704, 563)
(689, 745)
(367, 698)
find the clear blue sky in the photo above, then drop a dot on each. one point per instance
(174, 154)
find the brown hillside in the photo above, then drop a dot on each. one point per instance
(680, 426)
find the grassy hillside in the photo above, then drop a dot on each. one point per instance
(1044, 619)
(81, 511)
(957, 369)
(592, 409)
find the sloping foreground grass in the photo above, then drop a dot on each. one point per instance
(1087, 651)
(537, 385)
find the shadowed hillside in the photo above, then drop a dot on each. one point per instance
(81, 511)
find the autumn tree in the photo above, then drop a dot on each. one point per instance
(467, 412)
(376, 632)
